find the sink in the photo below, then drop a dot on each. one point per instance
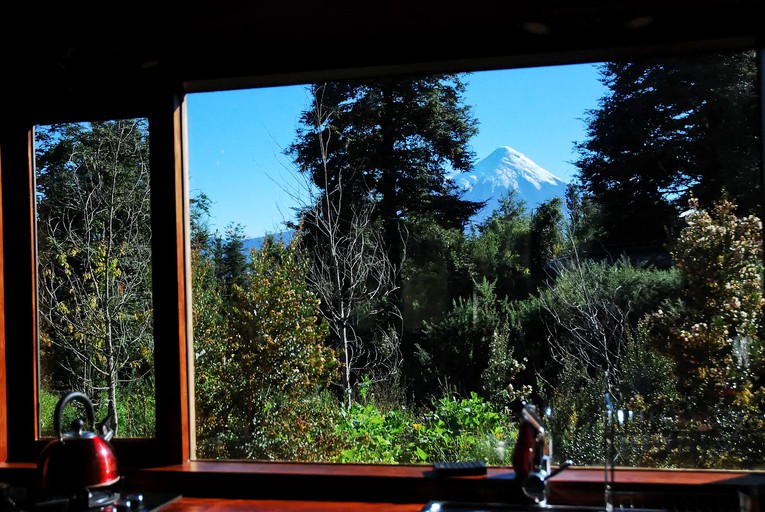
(692, 504)
(456, 506)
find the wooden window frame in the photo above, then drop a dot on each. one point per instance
(165, 462)
(19, 388)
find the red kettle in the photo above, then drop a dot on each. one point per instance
(77, 460)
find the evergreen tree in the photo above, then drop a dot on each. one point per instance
(390, 142)
(469, 348)
(545, 237)
(582, 228)
(232, 267)
(199, 214)
(500, 251)
(380, 150)
(669, 127)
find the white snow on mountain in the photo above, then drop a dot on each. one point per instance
(503, 170)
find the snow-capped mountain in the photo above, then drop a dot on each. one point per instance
(505, 169)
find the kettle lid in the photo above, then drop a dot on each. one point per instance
(77, 431)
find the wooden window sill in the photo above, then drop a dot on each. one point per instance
(230, 485)
(415, 483)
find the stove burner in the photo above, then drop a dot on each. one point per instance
(111, 499)
(94, 498)
(102, 498)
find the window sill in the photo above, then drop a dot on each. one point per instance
(415, 483)
(382, 483)
(325, 482)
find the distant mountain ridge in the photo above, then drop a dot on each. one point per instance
(503, 170)
(257, 242)
(490, 180)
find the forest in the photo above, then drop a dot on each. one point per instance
(391, 329)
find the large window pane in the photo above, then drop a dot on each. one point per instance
(94, 271)
(385, 268)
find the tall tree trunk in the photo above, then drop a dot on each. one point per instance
(348, 369)
(389, 189)
(112, 378)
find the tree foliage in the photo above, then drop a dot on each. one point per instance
(470, 348)
(378, 152)
(713, 331)
(390, 141)
(500, 251)
(94, 245)
(545, 237)
(349, 269)
(582, 226)
(592, 308)
(269, 356)
(668, 128)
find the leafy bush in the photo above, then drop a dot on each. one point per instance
(471, 349)
(136, 412)
(592, 308)
(472, 429)
(451, 429)
(257, 379)
(576, 423)
(371, 435)
(298, 427)
(713, 334)
(713, 331)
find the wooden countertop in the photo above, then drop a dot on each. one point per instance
(270, 487)
(189, 504)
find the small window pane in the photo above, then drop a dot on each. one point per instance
(94, 272)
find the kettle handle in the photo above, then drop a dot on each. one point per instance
(69, 397)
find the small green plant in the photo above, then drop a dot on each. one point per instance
(471, 428)
(47, 407)
(135, 413)
(372, 434)
(453, 428)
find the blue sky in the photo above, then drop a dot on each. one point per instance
(236, 138)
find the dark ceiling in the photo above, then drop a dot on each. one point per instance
(75, 48)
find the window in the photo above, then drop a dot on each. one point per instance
(94, 270)
(26, 429)
(378, 312)
(153, 95)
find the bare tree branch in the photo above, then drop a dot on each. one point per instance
(350, 270)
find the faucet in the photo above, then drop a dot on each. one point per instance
(532, 456)
(610, 457)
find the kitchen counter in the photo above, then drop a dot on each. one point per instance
(189, 504)
(271, 487)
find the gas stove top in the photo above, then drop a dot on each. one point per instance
(106, 499)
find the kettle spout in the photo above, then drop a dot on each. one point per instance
(106, 428)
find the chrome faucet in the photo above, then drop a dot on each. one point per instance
(610, 456)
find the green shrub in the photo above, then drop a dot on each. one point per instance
(577, 412)
(451, 429)
(471, 428)
(471, 347)
(371, 432)
(136, 412)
